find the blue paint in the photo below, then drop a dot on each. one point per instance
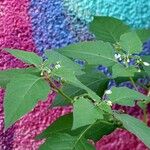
(52, 27)
(133, 12)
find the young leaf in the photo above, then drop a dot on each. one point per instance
(96, 81)
(64, 141)
(7, 75)
(131, 43)
(27, 57)
(121, 71)
(93, 113)
(22, 93)
(108, 29)
(144, 34)
(135, 126)
(125, 96)
(55, 57)
(94, 52)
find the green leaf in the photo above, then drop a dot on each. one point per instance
(66, 75)
(54, 57)
(105, 107)
(93, 113)
(121, 71)
(131, 43)
(125, 96)
(144, 34)
(146, 68)
(22, 93)
(69, 77)
(108, 29)
(96, 81)
(61, 125)
(64, 141)
(27, 57)
(98, 129)
(135, 126)
(146, 58)
(95, 131)
(94, 52)
(7, 75)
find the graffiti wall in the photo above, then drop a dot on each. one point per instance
(37, 25)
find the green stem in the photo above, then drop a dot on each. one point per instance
(64, 95)
(47, 77)
(60, 91)
(144, 110)
(133, 83)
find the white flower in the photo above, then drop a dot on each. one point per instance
(128, 60)
(57, 66)
(117, 56)
(139, 70)
(109, 103)
(108, 92)
(146, 63)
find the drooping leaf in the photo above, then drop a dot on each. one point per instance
(93, 113)
(125, 96)
(61, 125)
(144, 34)
(135, 126)
(94, 52)
(131, 43)
(22, 93)
(94, 131)
(108, 29)
(27, 57)
(96, 81)
(7, 75)
(121, 71)
(55, 57)
(99, 129)
(65, 141)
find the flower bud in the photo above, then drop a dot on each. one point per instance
(146, 64)
(108, 92)
(57, 66)
(117, 56)
(109, 103)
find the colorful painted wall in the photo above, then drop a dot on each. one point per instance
(36, 25)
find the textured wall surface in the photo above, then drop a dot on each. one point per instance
(133, 12)
(36, 25)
